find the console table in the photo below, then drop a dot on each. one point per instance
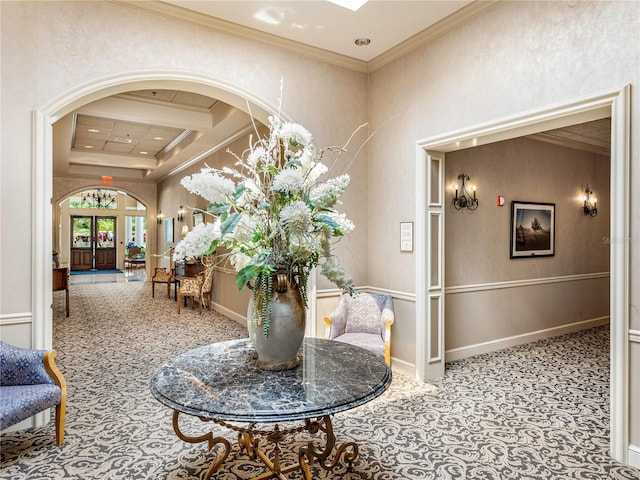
(222, 384)
(60, 281)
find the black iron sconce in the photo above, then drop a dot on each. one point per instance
(462, 198)
(181, 213)
(159, 217)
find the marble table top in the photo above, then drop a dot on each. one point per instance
(222, 382)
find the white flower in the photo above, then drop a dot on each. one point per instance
(245, 229)
(239, 260)
(210, 185)
(325, 195)
(296, 134)
(296, 218)
(256, 155)
(288, 181)
(345, 225)
(197, 241)
(251, 195)
(303, 246)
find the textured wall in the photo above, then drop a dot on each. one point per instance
(512, 58)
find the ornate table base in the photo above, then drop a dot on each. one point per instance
(248, 442)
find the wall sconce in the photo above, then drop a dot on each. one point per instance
(590, 206)
(464, 199)
(181, 213)
(159, 217)
(184, 231)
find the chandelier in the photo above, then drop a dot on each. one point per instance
(99, 199)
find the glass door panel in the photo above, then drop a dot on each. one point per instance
(93, 241)
(104, 249)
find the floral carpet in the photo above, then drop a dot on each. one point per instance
(539, 411)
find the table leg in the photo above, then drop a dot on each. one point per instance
(212, 441)
(307, 455)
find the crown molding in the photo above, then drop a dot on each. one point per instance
(174, 12)
(440, 28)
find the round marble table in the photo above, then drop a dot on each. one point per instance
(221, 383)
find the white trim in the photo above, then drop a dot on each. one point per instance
(620, 272)
(524, 283)
(634, 456)
(241, 319)
(634, 336)
(421, 38)
(336, 292)
(41, 239)
(403, 367)
(616, 104)
(507, 342)
(15, 318)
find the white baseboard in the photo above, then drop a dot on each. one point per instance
(403, 367)
(241, 319)
(499, 344)
(634, 456)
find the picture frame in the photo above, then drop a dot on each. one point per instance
(168, 230)
(198, 218)
(533, 229)
(406, 236)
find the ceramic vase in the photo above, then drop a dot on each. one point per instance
(279, 350)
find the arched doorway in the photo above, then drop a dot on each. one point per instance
(94, 226)
(43, 118)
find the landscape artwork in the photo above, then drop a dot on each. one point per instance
(532, 229)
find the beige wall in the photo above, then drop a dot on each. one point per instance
(512, 58)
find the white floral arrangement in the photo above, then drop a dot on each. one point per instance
(274, 213)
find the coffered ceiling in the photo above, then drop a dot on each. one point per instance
(143, 135)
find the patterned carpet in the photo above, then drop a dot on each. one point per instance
(539, 411)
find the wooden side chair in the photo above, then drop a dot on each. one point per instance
(198, 287)
(364, 320)
(162, 275)
(30, 382)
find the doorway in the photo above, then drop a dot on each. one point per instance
(430, 239)
(93, 241)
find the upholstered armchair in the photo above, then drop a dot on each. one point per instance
(364, 320)
(162, 275)
(30, 382)
(197, 287)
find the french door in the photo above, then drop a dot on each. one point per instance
(93, 242)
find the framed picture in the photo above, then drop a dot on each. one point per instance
(168, 230)
(198, 218)
(533, 229)
(406, 236)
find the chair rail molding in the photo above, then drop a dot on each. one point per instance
(524, 283)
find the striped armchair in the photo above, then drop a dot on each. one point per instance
(363, 320)
(30, 382)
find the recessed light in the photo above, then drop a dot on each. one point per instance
(93, 130)
(88, 146)
(158, 138)
(144, 153)
(362, 41)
